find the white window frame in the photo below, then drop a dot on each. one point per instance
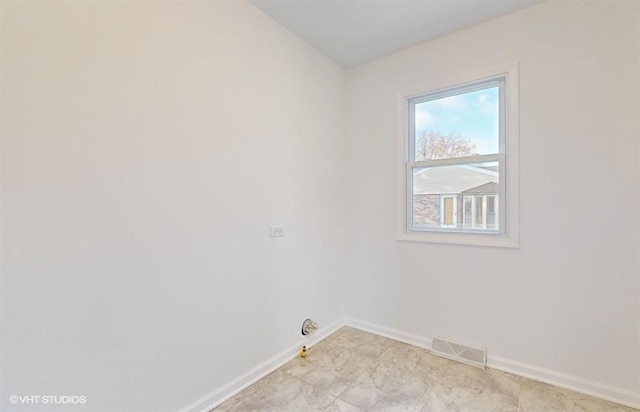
(508, 196)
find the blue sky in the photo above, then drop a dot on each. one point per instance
(473, 114)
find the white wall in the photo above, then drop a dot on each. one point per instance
(568, 298)
(147, 147)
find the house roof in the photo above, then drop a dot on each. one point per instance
(487, 188)
(452, 179)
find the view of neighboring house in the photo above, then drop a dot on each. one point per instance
(461, 197)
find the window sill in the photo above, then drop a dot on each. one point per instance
(469, 239)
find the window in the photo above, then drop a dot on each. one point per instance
(459, 162)
(480, 213)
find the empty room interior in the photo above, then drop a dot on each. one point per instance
(439, 200)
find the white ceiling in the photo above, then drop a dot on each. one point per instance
(353, 32)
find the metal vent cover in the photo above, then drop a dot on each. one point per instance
(459, 352)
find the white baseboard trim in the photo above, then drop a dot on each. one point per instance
(588, 387)
(224, 393)
(592, 388)
(394, 334)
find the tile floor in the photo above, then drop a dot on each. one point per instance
(352, 371)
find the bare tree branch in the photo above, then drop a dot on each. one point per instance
(431, 144)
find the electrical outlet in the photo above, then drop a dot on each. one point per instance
(277, 231)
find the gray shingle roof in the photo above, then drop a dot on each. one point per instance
(487, 188)
(452, 179)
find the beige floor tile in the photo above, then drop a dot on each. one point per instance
(393, 404)
(463, 399)
(540, 397)
(459, 387)
(388, 387)
(279, 392)
(366, 344)
(410, 358)
(341, 406)
(329, 368)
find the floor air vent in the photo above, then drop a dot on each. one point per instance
(459, 352)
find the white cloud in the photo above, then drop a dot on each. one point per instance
(424, 119)
(452, 102)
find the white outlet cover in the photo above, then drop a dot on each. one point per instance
(276, 231)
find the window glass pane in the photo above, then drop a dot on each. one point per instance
(468, 211)
(461, 125)
(491, 204)
(491, 211)
(456, 197)
(479, 211)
